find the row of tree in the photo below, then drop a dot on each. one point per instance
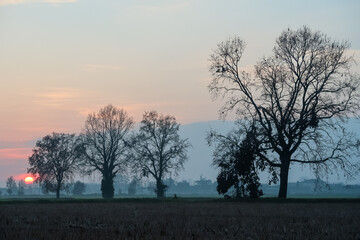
(292, 109)
(123, 185)
(77, 188)
(13, 188)
(107, 145)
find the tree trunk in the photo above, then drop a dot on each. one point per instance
(160, 188)
(284, 173)
(57, 191)
(58, 187)
(107, 187)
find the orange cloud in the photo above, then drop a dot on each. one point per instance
(15, 153)
(93, 68)
(59, 96)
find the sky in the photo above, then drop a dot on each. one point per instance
(63, 59)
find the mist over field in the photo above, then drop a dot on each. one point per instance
(201, 154)
(200, 157)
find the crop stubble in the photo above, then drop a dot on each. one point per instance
(180, 220)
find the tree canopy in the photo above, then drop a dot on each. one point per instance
(78, 188)
(104, 145)
(158, 148)
(299, 99)
(53, 161)
(11, 185)
(236, 156)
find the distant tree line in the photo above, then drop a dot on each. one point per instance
(124, 185)
(109, 146)
(131, 187)
(14, 189)
(19, 189)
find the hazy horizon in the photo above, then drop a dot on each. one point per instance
(198, 165)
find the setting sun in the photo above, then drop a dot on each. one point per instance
(29, 180)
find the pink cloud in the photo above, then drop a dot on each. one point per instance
(15, 153)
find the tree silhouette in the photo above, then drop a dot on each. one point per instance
(158, 149)
(132, 187)
(78, 188)
(238, 162)
(104, 146)
(11, 185)
(54, 161)
(21, 187)
(299, 99)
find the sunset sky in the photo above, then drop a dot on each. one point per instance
(62, 59)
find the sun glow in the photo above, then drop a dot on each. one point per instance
(29, 180)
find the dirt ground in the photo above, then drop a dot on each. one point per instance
(180, 220)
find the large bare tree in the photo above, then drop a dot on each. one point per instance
(53, 161)
(104, 145)
(299, 99)
(158, 148)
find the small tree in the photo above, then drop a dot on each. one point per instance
(11, 185)
(78, 188)
(183, 186)
(299, 98)
(53, 161)
(158, 149)
(104, 145)
(239, 162)
(45, 187)
(21, 187)
(132, 187)
(203, 184)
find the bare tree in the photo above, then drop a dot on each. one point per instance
(104, 145)
(299, 98)
(78, 188)
(21, 187)
(158, 148)
(132, 187)
(53, 161)
(11, 185)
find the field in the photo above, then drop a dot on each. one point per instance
(180, 219)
